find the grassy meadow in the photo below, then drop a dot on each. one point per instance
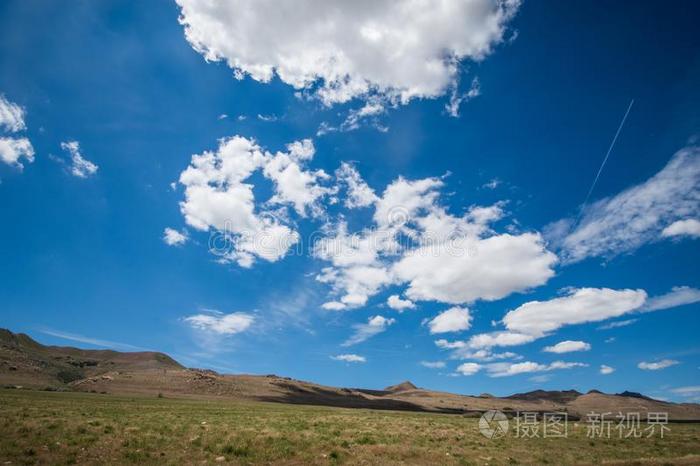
(84, 428)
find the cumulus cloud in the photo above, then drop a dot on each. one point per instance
(606, 370)
(294, 185)
(11, 116)
(375, 325)
(349, 358)
(359, 194)
(467, 269)
(12, 150)
(389, 50)
(658, 365)
(537, 319)
(568, 346)
(688, 227)
(414, 241)
(219, 196)
(172, 237)
(505, 369)
(500, 338)
(221, 324)
(636, 216)
(468, 368)
(79, 166)
(433, 364)
(577, 307)
(398, 304)
(460, 350)
(357, 282)
(455, 319)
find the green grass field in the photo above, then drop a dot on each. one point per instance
(70, 428)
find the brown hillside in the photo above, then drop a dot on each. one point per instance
(29, 364)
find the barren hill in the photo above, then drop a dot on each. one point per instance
(402, 387)
(26, 363)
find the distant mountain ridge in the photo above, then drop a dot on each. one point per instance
(25, 363)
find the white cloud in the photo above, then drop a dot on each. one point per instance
(393, 50)
(349, 358)
(606, 370)
(370, 111)
(79, 166)
(433, 364)
(505, 369)
(174, 238)
(374, 326)
(454, 319)
(357, 282)
(687, 227)
(415, 242)
(492, 184)
(359, 194)
(568, 346)
(500, 338)
(579, 306)
(468, 368)
(678, 296)
(293, 184)
(687, 391)
(334, 306)
(267, 118)
(398, 304)
(617, 324)
(636, 216)
(403, 199)
(658, 365)
(536, 319)
(221, 324)
(466, 350)
(457, 98)
(412, 241)
(11, 116)
(466, 269)
(14, 149)
(219, 196)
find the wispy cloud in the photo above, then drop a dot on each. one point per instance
(374, 326)
(90, 340)
(349, 358)
(433, 364)
(634, 217)
(617, 324)
(658, 365)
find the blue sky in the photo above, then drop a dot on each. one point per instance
(470, 215)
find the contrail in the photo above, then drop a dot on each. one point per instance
(602, 165)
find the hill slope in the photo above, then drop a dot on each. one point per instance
(27, 363)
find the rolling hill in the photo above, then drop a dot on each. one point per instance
(25, 363)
